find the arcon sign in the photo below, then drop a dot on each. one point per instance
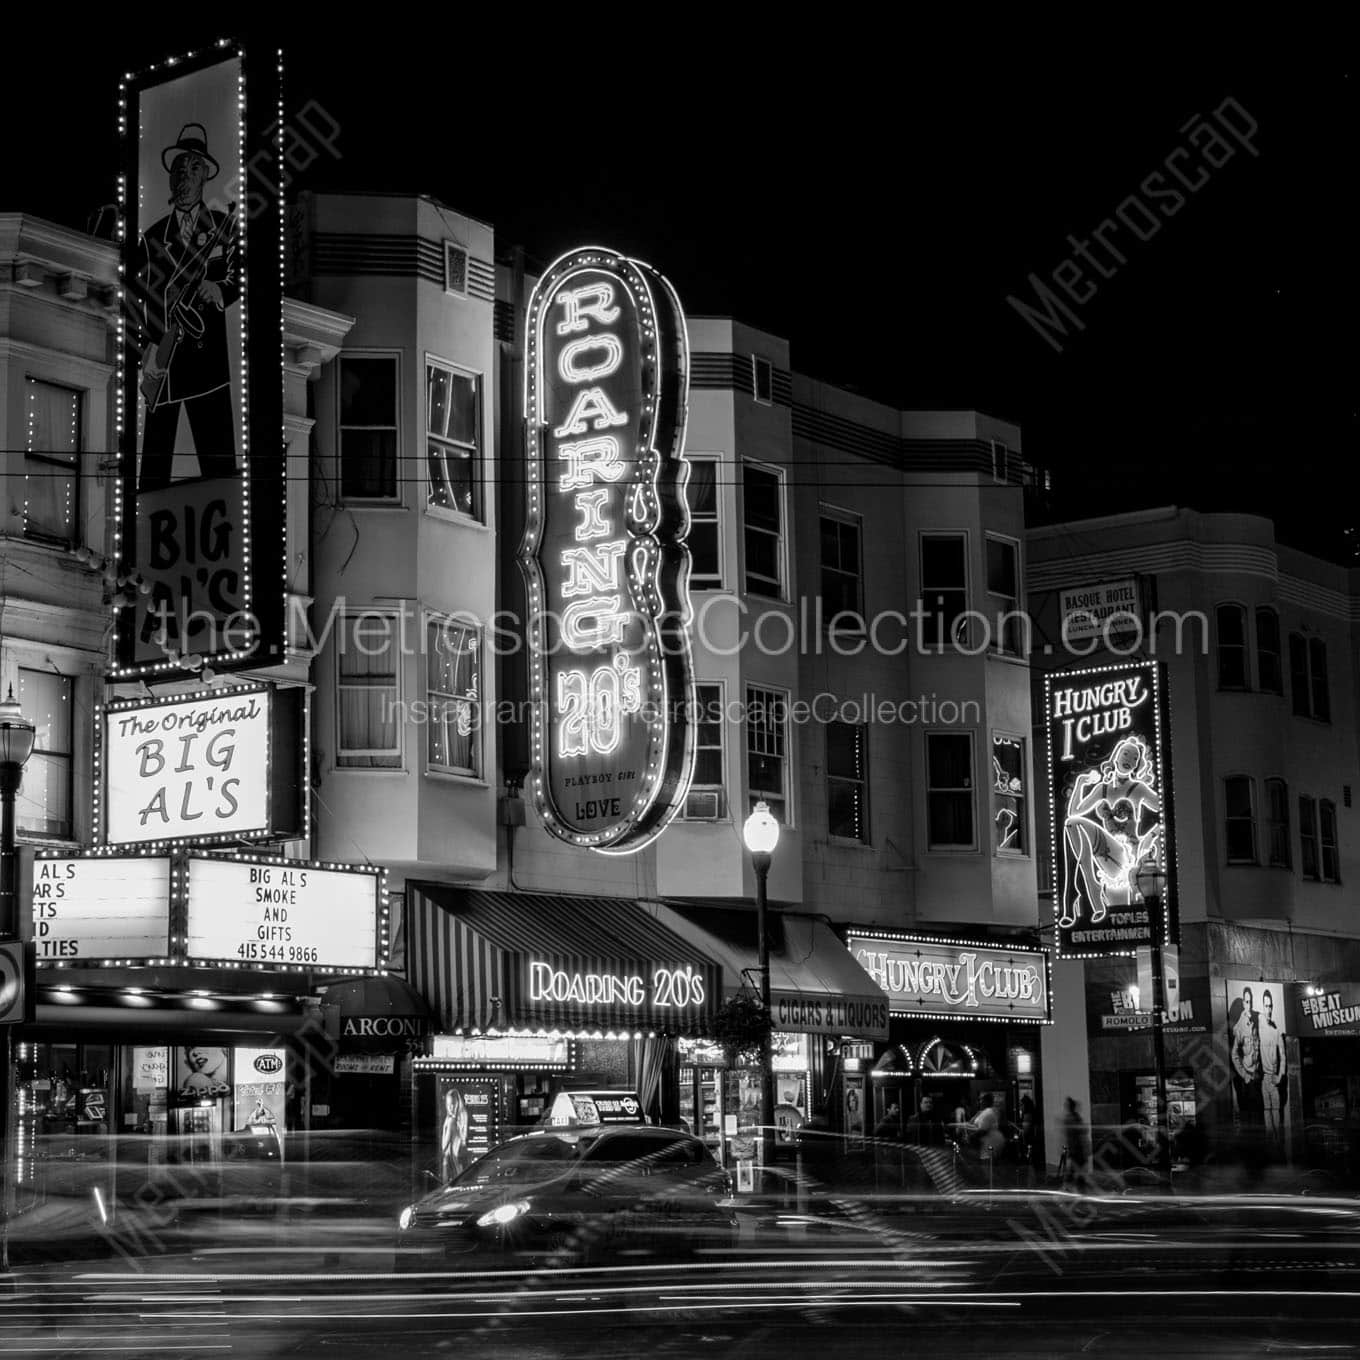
(606, 384)
(382, 1027)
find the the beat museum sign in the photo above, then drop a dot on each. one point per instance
(603, 552)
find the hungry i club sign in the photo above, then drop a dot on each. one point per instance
(604, 554)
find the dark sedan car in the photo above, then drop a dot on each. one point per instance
(562, 1196)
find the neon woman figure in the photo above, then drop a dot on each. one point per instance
(1104, 831)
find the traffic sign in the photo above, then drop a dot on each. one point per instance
(15, 992)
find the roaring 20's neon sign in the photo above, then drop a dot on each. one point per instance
(606, 384)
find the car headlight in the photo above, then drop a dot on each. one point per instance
(503, 1214)
(407, 1214)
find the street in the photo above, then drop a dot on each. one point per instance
(1239, 1276)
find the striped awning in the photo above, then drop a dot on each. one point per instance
(491, 960)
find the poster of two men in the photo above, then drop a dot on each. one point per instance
(1260, 1063)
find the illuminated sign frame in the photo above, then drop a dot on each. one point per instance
(177, 954)
(382, 924)
(1113, 716)
(603, 554)
(1038, 960)
(52, 873)
(287, 804)
(210, 521)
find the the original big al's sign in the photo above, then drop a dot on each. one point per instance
(604, 552)
(188, 768)
(1111, 810)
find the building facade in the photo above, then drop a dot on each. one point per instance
(1256, 643)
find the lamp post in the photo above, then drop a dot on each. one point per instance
(1151, 882)
(16, 745)
(761, 834)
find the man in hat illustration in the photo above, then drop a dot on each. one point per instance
(186, 279)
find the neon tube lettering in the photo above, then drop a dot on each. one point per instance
(594, 300)
(588, 460)
(590, 404)
(591, 569)
(574, 373)
(593, 523)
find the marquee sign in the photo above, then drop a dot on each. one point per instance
(603, 552)
(86, 910)
(226, 764)
(1110, 792)
(256, 912)
(200, 364)
(945, 978)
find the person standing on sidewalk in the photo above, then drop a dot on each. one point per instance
(1077, 1145)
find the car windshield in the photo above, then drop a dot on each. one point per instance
(525, 1161)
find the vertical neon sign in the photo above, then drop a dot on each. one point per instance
(606, 387)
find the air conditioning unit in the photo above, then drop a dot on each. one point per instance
(455, 268)
(704, 805)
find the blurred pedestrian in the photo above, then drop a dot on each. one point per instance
(1076, 1144)
(890, 1126)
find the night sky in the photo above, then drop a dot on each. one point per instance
(876, 197)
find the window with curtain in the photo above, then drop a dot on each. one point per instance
(52, 463)
(949, 790)
(1232, 646)
(44, 803)
(767, 749)
(1331, 860)
(1277, 823)
(944, 589)
(1269, 672)
(1008, 793)
(763, 497)
(368, 427)
(453, 402)
(705, 548)
(1239, 807)
(1308, 838)
(453, 688)
(367, 693)
(847, 781)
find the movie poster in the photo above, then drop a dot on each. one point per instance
(1259, 1059)
(201, 467)
(1111, 809)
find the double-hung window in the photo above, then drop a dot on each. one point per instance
(1239, 804)
(1277, 823)
(944, 590)
(705, 541)
(949, 791)
(1310, 696)
(453, 443)
(45, 796)
(453, 691)
(1003, 595)
(767, 749)
(707, 799)
(763, 494)
(842, 585)
(368, 427)
(1231, 620)
(1269, 674)
(52, 440)
(367, 692)
(1008, 794)
(847, 781)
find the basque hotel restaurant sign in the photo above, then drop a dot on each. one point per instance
(604, 554)
(1110, 793)
(200, 409)
(950, 979)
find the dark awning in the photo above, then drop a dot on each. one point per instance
(380, 1011)
(500, 961)
(816, 987)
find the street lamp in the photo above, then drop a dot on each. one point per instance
(1151, 883)
(761, 834)
(16, 745)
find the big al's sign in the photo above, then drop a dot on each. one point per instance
(940, 978)
(604, 553)
(200, 415)
(1111, 808)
